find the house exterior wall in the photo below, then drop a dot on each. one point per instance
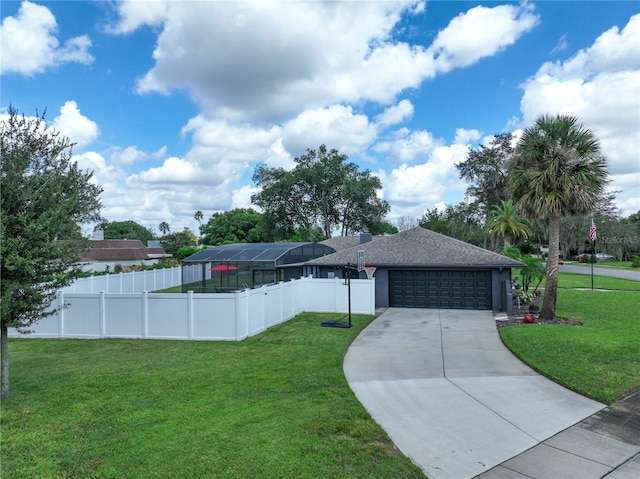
(499, 301)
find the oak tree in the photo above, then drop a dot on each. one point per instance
(45, 196)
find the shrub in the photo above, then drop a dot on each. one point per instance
(635, 261)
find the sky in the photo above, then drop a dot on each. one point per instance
(173, 104)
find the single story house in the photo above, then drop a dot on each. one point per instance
(419, 268)
(106, 254)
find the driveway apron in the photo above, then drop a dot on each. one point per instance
(450, 395)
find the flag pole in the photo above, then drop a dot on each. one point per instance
(593, 236)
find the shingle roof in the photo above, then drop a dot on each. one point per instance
(120, 250)
(340, 243)
(418, 247)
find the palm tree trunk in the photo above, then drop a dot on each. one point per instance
(551, 287)
(4, 349)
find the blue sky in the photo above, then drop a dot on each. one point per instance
(173, 104)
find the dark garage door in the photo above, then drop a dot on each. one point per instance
(440, 289)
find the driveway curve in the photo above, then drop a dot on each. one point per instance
(450, 395)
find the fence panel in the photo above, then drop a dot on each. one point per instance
(273, 306)
(168, 316)
(133, 282)
(82, 317)
(289, 309)
(214, 316)
(228, 316)
(256, 311)
(126, 316)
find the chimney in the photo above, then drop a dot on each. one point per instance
(365, 238)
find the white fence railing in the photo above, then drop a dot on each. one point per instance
(206, 316)
(133, 282)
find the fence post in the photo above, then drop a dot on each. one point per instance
(60, 313)
(103, 315)
(145, 314)
(190, 314)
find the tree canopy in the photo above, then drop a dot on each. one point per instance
(460, 221)
(557, 171)
(44, 198)
(173, 242)
(240, 225)
(126, 230)
(486, 172)
(323, 189)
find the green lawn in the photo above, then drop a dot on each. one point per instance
(601, 358)
(610, 264)
(273, 406)
(577, 280)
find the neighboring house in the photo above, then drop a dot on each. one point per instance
(419, 268)
(103, 254)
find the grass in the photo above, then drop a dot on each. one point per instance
(610, 264)
(601, 358)
(275, 405)
(577, 280)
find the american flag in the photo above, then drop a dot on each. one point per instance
(593, 235)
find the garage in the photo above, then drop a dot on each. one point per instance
(419, 268)
(453, 289)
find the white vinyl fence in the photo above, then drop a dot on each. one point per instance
(202, 316)
(133, 282)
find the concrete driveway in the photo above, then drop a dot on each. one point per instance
(449, 393)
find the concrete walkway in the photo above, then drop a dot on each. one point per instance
(458, 403)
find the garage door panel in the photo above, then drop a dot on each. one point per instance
(440, 289)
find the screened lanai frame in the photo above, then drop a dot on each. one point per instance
(239, 266)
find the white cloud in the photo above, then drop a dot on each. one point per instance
(464, 136)
(480, 32)
(104, 174)
(74, 125)
(336, 127)
(29, 45)
(408, 146)
(414, 189)
(561, 45)
(601, 86)
(132, 154)
(242, 197)
(395, 114)
(273, 60)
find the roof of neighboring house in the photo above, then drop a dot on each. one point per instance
(340, 243)
(418, 247)
(120, 250)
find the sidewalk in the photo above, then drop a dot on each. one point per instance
(606, 444)
(459, 404)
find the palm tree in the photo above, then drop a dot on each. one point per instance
(198, 217)
(506, 222)
(164, 228)
(557, 171)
